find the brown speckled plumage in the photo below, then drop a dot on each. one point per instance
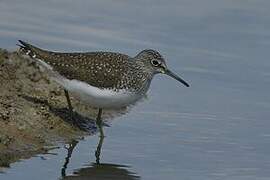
(100, 69)
(110, 80)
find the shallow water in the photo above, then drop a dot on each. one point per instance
(216, 129)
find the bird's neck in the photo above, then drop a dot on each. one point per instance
(144, 67)
(142, 76)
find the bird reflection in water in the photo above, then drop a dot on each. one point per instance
(97, 170)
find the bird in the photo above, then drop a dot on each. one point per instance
(104, 80)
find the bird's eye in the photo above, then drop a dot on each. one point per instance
(155, 62)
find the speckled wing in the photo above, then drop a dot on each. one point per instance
(99, 69)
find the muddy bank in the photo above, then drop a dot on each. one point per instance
(33, 110)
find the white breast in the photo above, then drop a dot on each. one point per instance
(96, 97)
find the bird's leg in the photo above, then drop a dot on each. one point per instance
(69, 104)
(99, 122)
(98, 150)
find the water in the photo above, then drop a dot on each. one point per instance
(216, 129)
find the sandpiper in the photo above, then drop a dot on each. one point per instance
(105, 80)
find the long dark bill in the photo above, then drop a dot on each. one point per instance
(170, 73)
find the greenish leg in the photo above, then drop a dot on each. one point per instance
(99, 122)
(101, 137)
(69, 104)
(98, 150)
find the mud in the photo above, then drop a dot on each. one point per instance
(33, 111)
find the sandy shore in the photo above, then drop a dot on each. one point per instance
(33, 111)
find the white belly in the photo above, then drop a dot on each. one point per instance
(96, 97)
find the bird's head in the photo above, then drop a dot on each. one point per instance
(155, 63)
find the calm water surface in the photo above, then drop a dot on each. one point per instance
(216, 129)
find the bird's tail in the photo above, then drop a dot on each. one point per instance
(29, 49)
